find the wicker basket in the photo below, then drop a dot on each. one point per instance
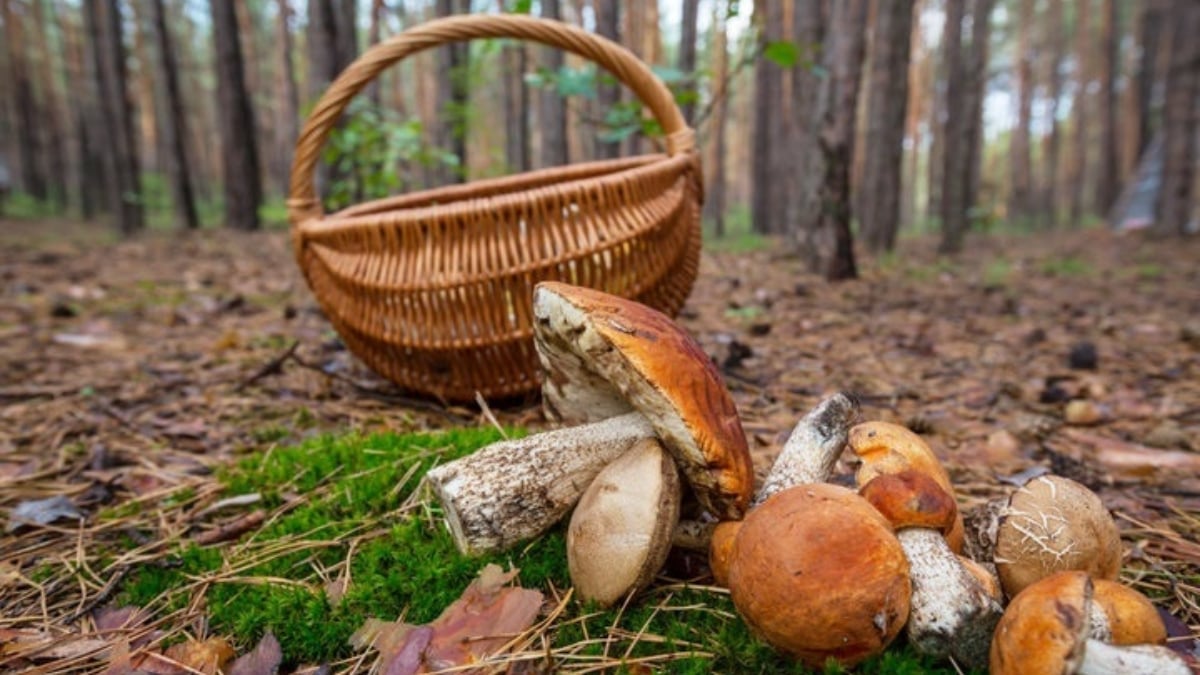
(433, 289)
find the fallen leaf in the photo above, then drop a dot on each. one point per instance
(1132, 460)
(207, 656)
(264, 659)
(41, 512)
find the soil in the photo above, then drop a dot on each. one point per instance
(127, 365)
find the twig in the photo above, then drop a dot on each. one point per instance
(232, 529)
(100, 598)
(272, 367)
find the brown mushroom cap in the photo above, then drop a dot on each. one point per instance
(1044, 630)
(911, 498)
(1054, 524)
(620, 532)
(887, 448)
(818, 573)
(645, 359)
(720, 550)
(1132, 619)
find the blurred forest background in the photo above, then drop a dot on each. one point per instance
(819, 122)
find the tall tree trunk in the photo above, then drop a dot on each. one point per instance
(976, 69)
(1149, 39)
(552, 110)
(81, 79)
(175, 124)
(1054, 41)
(831, 246)
(374, 31)
(714, 205)
(808, 33)
(119, 144)
(449, 130)
(1079, 108)
(770, 159)
(937, 123)
(56, 162)
(147, 117)
(608, 22)
(1020, 202)
(953, 207)
(516, 109)
(288, 121)
(243, 191)
(687, 55)
(1175, 206)
(345, 21)
(1108, 184)
(918, 84)
(888, 106)
(31, 177)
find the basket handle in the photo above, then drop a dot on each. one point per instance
(629, 69)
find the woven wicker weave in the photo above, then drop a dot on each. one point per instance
(433, 289)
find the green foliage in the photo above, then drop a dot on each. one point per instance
(1067, 267)
(997, 272)
(784, 53)
(24, 206)
(739, 237)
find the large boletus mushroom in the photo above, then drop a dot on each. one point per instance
(625, 373)
(816, 572)
(620, 532)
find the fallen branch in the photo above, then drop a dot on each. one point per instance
(272, 367)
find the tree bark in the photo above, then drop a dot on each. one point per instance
(976, 68)
(808, 33)
(937, 128)
(608, 22)
(888, 106)
(243, 190)
(52, 105)
(175, 124)
(288, 121)
(1020, 202)
(87, 120)
(1149, 40)
(516, 109)
(1054, 41)
(714, 205)
(1175, 200)
(953, 207)
(831, 246)
(29, 172)
(918, 91)
(687, 56)
(552, 110)
(1108, 184)
(769, 168)
(374, 32)
(119, 144)
(345, 22)
(1079, 106)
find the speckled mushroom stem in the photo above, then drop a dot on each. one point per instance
(812, 451)
(514, 490)
(1105, 659)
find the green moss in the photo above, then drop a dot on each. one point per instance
(348, 499)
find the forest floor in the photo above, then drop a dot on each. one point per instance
(132, 369)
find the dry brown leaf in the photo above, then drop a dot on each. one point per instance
(264, 659)
(206, 656)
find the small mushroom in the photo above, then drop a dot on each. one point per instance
(887, 448)
(620, 532)
(1052, 524)
(953, 610)
(630, 373)
(1122, 616)
(1045, 630)
(816, 572)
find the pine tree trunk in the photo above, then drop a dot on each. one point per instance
(451, 99)
(1054, 41)
(243, 191)
(976, 69)
(1149, 39)
(714, 204)
(119, 144)
(1108, 184)
(516, 109)
(608, 22)
(374, 31)
(51, 100)
(31, 178)
(808, 32)
(832, 245)
(1176, 196)
(768, 171)
(687, 54)
(937, 130)
(288, 121)
(1020, 202)
(81, 79)
(953, 207)
(552, 110)
(175, 124)
(880, 216)
(918, 85)
(1079, 105)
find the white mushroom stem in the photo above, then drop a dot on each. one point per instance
(1100, 658)
(515, 490)
(813, 449)
(951, 613)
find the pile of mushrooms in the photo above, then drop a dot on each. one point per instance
(817, 570)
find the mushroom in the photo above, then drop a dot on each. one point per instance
(813, 448)
(620, 532)
(1052, 524)
(953, 609)
(884, 447)
(1123, 616)
(1045, 630)
(631, 374)
(816, 572)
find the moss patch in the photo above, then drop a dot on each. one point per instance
(352, 502)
